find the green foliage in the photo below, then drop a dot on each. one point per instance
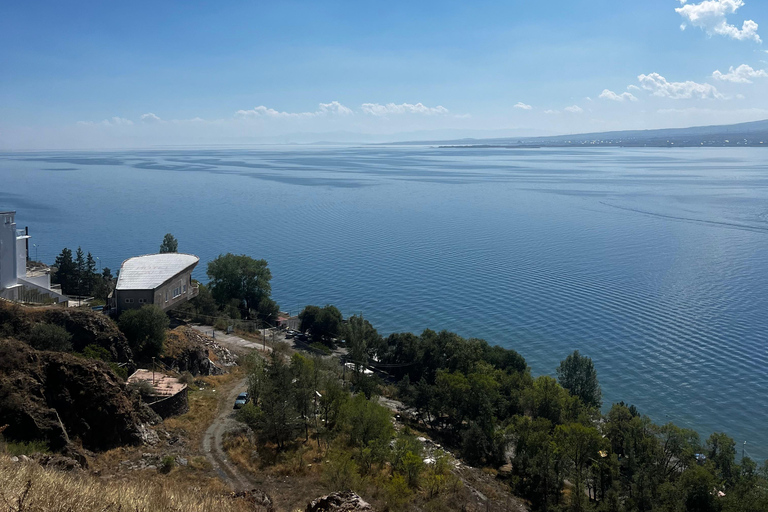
(577, 374)
(167, 464)
(169, 244)
(397, 492)
(79, 276)
(323, 324)
(97, 352)
(245, 279)
(145, 329)
(26, 448)
(50, 337)
(143, 388)
(363, 341)
(341, 471)
(366, 421)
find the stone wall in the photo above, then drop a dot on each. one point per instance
(173, 405)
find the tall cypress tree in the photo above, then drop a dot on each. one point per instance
(66, 271)
(80, 271)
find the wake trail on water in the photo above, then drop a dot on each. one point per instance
(731, 225)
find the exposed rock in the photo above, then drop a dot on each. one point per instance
(346, 501)
(259, 499)
(58, 397)
(188, 350)
(59, 462)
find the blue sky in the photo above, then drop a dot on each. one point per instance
(108, 74)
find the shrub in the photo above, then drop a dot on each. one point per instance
(145, 329)
(143, 387)
(97, 352)
(340, 471)
(50, 337)
(396, 492)
(26, 448)
(167, 464)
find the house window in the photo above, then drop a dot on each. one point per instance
(142, 301)
(176, 292)
(129, 301)
(166, 296)
(185, 289)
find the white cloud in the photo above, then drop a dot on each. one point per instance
(150, 118)
(324, 109)
(634, 88)
(711, 16)
(551, 112)
(523, 106)
(574, 109)
(610, 95)
(377, 109)
(659, 86)
(740, 75)
(114, 121)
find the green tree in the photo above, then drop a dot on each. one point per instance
(66, 272)
(81, 271)
(279, 421)
(90, 274)
(170, 244)
(366, 421)
(721, 450)
(577, 374)
(106, 274)
(245, 279)
(362, 340)
(578, 445)
(145, 329)
(323, 324)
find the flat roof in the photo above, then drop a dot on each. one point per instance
(150, 271)
(164, 385)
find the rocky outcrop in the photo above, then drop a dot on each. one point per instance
(86, 327)
(59, 398)
(188, 350)
(346, 501)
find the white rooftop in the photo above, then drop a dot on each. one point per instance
(150, 271)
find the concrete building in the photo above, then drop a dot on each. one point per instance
(164, 280)
(16, 282)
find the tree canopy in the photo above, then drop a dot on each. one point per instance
(577, 374)
(145, 329)
(245, 280)
(323, 324)
(170, 244)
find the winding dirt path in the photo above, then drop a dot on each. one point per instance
(213, 442)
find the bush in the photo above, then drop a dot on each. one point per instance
(396, 492)
(26, 448)
(167, 464)
(144, 388)
(340, 471)
(97, 352)
(50, 337)
(145, 329)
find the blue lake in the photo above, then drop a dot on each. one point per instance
(654, 262)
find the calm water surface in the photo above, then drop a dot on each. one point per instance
(654, 262)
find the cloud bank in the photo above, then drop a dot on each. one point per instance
(740, 75)
(659, 86)
(610, 95)
(711, 16)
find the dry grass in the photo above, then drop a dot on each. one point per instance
(204, 405)
(29, 487)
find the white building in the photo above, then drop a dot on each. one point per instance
(16, 283)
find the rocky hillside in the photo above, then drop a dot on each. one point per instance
(86, 327)
(58, 397)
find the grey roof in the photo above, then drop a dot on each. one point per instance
(150, 271)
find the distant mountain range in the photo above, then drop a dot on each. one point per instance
(742, 134)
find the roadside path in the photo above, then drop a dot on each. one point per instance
(213, 446)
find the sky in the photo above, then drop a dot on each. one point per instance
(80, 75)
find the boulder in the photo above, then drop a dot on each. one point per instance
(346, 501)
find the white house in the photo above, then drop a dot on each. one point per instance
(16, 283)
(164, 280)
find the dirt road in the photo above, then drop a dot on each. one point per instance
(213, 442)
